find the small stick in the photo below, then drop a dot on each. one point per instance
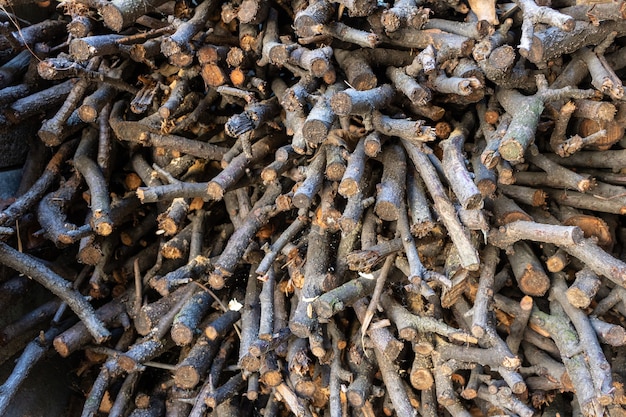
(351, 101)
(582, 292)
(484, 293)
(566, 177)
(302, 322)
(561, 331)
(454, 166)
(391, 188)
(443, 206)
(598, 365)
(378, 289)
(33, 268)
(347, 33)
(516, 332)
(421, 218)
(237, 244)
(410, 325)
(530, 276)
(410, 130)
(539, 232)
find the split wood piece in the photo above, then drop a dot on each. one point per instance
(354, 102)
(526, 111)
(443, 206)
(239, 241)
(36, 270)
(454, 166)
(564, 176)
(304, 321)
(410, 326)
(598, 365)
(390, 190)
(530, 276)
(407, 129)
(187, 322)
(236, 169)
(519, 230)
(561, 331)
(584, 289)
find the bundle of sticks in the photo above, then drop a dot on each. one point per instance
(320, 208)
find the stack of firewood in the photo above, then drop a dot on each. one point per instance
(321, 208)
